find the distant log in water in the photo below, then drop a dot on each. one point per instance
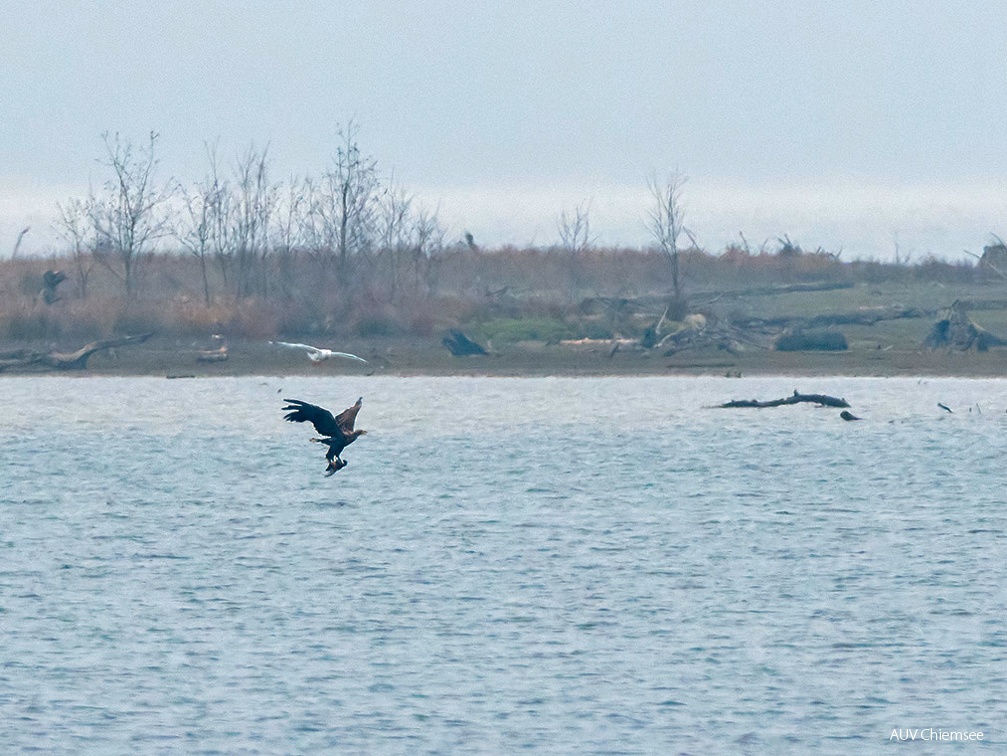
(822, 400)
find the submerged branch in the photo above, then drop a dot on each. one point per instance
(822, 400)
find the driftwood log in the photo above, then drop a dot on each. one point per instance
(867, 317)
(212, 355)
(722, 336)
(822, 400)
(218, 353)
(53, 360)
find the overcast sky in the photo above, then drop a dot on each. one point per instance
(846, 124)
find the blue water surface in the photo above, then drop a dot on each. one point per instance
(561, 565)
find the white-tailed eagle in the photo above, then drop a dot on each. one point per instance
(337, 431)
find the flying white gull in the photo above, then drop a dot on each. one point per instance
(316, 354)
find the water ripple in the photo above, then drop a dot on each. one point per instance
(615, 568)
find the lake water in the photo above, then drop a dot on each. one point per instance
(583, 566)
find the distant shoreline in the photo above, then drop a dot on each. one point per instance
(172, 358)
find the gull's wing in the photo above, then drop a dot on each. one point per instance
(296, 346)
(316, 354)
(347, 417)
(348, 356)
(300, 412)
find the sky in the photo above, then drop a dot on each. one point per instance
(860, 126)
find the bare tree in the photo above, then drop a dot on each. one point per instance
(312, 224)
(392, 216)
(427, 241)
(132, 214)
(575, 240)
(393, 232)
(195, 233)
(75, 226)
(348, 202)
(666, 223)
(255, 204)
(409, 235)
(291, 229)
(219, 212)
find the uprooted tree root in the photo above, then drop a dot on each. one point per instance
(53, 360)
(956, 331)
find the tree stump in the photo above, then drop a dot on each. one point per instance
(461, 345)
(956, 331)
(50, 280)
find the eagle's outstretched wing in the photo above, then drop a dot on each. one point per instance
(347, 417)
(302, 412)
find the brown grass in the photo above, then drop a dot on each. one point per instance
(458, 287)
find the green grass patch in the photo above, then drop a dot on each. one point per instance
(812, 341)
(511, 330)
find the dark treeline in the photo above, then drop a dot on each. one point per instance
(350, 253)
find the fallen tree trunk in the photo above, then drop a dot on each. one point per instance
(769, 291)
(822, 400)
(865, 317)
(24, 358)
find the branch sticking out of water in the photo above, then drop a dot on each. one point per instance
(822, 400)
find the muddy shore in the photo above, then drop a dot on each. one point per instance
(176, 359)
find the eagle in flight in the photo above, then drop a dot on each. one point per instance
(337, 431)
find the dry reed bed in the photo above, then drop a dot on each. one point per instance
(379, 297)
